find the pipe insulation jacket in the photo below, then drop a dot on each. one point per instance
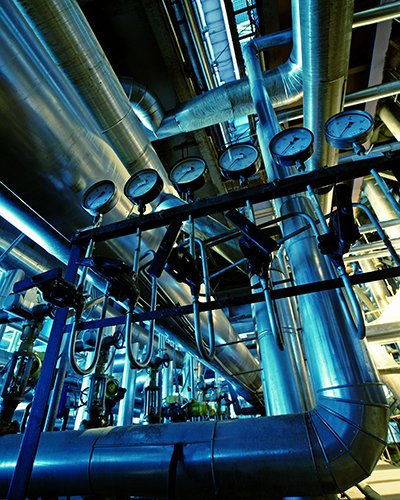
(326, 450)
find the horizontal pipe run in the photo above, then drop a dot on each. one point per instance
(360, 97)
(272, 190)
(376, 15)
(276, 294)
(326, 450)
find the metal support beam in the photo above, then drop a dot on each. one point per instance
(272, 190)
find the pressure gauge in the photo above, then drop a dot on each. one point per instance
(349, 129)
(292, 146)
(100, 198)
(188, 174)
(239, 161)
(144, 186)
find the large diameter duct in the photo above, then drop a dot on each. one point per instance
(326, 450)
(326, 27)
(51, 131)
(63, 27)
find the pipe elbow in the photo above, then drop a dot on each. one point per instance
(347, 432)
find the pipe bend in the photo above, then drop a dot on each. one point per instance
(347, 432)
(326, 450)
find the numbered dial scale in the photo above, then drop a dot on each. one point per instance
(143, 187)
(239, 161)
(100, 198)
(292, 146)
(348, 129)
(188, 174)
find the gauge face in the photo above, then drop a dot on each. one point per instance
(292, 145)
(188, 174)
(239, 161)
(144, 186)
(100, 198)
(348, 127)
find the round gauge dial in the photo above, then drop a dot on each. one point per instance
(144, 186)
(292, 145)
(100, 198)
(188, 174)
(348, 128)
(239, 160)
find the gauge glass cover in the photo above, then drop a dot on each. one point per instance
(239, 160)
(188, 173)
(291, 145)
(100, 198)
(144, 186)
(348, 127)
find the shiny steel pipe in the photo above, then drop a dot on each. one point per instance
(146, 106)
(360, 97)
(65, 154)
(284, 85)
(377, 15)
(67, 34)
(327, 450)
(326, 27)
(20, 215)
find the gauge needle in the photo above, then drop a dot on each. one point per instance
(290, 144)
(99, 196)
(185, 173)
(349, 124)
(238, 158)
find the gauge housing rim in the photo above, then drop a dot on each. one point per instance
(108, 205)
(288, 160)
(193, 185)
(151, 194)
(347, 143)
(244, 172)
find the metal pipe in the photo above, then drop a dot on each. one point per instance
(31, 224)
(146, 106)
(67, 34)
(324, 68)
(65, 156)
(376, 15)
(106, 461)
(383, 236)
(127, 404)
(232, 100)
(30, 441)
(360, 97)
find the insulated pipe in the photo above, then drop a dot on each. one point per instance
(281, 376)
(146, 106)
(360, 97)
(63, 27)
(390, 121)
(20, 215)
(377, 15)
(325, 36)
(65, 154)
(327, 450)
(233, 99)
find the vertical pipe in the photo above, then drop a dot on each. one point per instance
(30, 441)
(127, 404)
